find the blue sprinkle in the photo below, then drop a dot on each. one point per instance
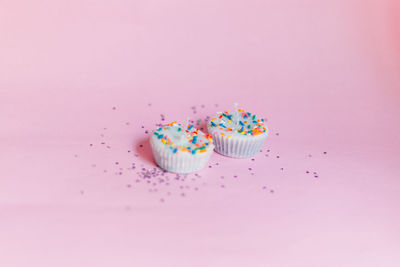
(194, 141)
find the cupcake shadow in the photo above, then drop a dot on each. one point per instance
(202, 127)
(143, 149)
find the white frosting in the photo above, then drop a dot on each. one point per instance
(182, 151)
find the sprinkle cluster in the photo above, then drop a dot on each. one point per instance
(247, 123)
(140, 174)
(195, 142)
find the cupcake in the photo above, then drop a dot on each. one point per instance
(181, 149)
(237, 134)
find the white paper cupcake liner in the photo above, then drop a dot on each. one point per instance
(179, 162)
(237, 146)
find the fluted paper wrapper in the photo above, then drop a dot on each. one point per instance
(182, 162)
(238, 146)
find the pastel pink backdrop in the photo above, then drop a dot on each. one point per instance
(324, 73)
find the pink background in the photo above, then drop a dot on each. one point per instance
(326, 75)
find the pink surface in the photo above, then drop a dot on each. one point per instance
(324, 73)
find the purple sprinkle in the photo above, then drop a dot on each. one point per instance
(277, 157)
(91, 144)
(235, 176)
(264, 187)
(129, 151)
(146, 132)
(325, 153)
(277, 134)
(129, 185)
(271, 191)
(222, 186)
(114, 108)
(116, 163)
(316, 176)
(210, 166)
(142, 126)
(281, 169)
(250, 169)
(140, 145)
(253, 159)
(307, 172)
(268, 150)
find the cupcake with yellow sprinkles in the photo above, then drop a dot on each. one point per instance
(237, 133)
(181, 149)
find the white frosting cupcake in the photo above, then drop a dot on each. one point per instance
(181, 149)
(237, 134)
